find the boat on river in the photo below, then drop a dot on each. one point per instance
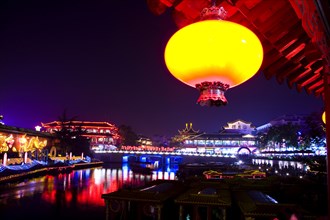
(142, 167)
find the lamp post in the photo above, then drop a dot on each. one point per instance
(213, 55)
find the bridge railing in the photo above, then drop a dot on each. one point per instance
(176, 153)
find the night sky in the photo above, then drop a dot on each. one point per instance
(102, 60)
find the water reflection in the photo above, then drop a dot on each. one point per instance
(80, 188)
(280, 164)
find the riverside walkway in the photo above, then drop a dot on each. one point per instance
(12, 173)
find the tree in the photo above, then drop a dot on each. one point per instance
(313, 133)
(308, 133)
(128, 136)
(280, 136)
(71, 137)
(65, 132)
(78, 143)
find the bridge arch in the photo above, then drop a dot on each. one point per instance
(243, 149)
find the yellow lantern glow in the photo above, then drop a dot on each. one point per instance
(323, 117)
(213, 56)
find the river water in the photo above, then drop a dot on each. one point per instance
(75, 195)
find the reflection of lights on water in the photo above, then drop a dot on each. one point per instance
(120, 173)
(76, 186)
(130, 174)
(98, 176)
(166, 175)
(113, 173)
(160, 175)
(125, 166)
(69, 179)
(64, 182)
(87, 173)
(80, 175)
(163, 175)
(293, 164)
(124, 172)
(154, 175)
(300, 166)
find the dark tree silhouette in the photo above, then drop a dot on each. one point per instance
(313, 133)
(279, 136)
(302, 136)
(80, 144)
(128, 136)
(71, 139)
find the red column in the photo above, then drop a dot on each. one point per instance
(327, 124)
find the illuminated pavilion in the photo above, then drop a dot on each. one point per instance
(234, 138)
(102, 135)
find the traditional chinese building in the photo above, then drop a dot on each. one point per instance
(102, 135)
(235, 137)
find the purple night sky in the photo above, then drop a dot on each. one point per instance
(103, 60)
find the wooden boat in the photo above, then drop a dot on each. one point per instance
(141, 167)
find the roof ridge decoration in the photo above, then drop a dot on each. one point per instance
(188, 130)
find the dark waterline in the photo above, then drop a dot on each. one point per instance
(75, 195)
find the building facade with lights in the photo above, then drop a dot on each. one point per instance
(236, 137)
(102, 135)
(18, 145)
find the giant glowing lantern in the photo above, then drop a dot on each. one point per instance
(213, 55)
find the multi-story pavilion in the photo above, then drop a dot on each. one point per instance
(235, 137)
(102, 135)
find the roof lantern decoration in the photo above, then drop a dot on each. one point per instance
(213, 55)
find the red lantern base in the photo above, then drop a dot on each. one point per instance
(212, 93)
